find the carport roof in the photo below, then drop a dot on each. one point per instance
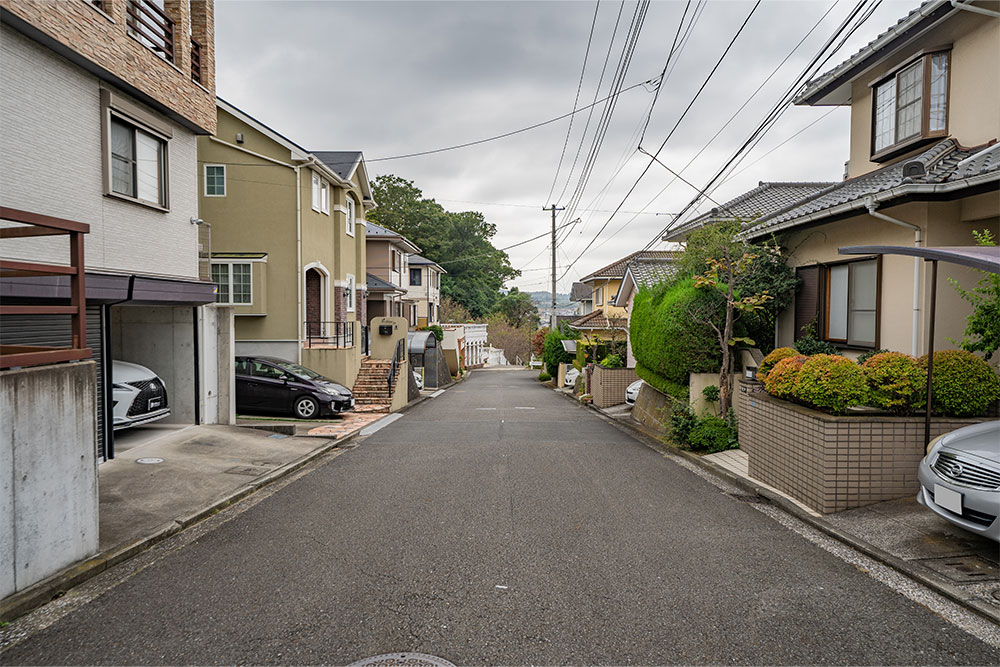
(984, 258)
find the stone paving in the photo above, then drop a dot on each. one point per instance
(349, 423)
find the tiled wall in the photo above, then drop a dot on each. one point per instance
(833, 463)
(608, 385)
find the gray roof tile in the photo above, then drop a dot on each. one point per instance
(617, 269)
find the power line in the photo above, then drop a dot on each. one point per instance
(520, 243)
(493, 203)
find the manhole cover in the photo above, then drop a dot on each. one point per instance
(408, 659)
(964, 569)
(149, 460)
(251, 471)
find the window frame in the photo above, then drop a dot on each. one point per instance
(224, 182)
(419, 281)
(324, 196)
(850, 341)
(925, 135)
(351, 293)
(114, 108)
(229, 285)
(599, 296)
(350, 212)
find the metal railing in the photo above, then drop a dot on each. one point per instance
(397, 357)
(195, 61)
(151, 26)
(329, 334)
(365, 340)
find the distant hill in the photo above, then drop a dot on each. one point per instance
(545, 298)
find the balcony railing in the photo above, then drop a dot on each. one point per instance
(195, 61)
(150, 25)
(28, 225)
(336, 335)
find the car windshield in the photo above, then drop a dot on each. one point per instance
(301, 371)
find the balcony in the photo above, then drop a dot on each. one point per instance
(151, 26)
(195, 61)
(329, 335)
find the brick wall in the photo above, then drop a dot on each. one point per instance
(361, 306)
(833, 463)
(608, 385)
(340, 304)
(103, 39)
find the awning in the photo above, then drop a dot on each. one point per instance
(984, 258)
(108, 288)
(569, 345)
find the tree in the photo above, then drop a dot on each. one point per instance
(538, 341)
(514, 341)
(518, 308)
(460, 242)
(453, 311)
(982, 329)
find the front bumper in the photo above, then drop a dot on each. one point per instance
(977, 504)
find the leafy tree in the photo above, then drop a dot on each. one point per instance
(458, 241)
(518, 308)
(515, 341)
(453, 311)
(982, 329)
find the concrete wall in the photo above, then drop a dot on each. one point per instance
(218, 373)
(340, 365)
(48, 490)
(383, 347)
(652, 409)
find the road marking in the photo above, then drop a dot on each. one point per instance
(521, 407)
(485, 408)
(437, 393)
(500, 587)
(380, 424)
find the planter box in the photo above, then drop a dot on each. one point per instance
(832, 463)
(608, 385)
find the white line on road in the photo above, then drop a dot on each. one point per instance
(380, 424)
(485, 408)
(521, 407)
(437, 393)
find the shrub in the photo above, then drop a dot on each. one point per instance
(774, 357)
(554, 354)
(781, 379)
(830, 382)
(665, 338)
(662, 384)
(544, 377)
(613, 361)
(682, 422)
(711, 393)
(434, 329)
(711, 434)
(964, 385)
(896, 382)
(810, 345)
(865, 356)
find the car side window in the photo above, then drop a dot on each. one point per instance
(262, 370)
(243, 367)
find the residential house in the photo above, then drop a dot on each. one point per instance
(924, 170)
(583, 295)
(388, 274)
(288, 243)
(106, 91)
(642, 272)
(424, 289)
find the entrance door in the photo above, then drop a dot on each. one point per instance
(314, 303)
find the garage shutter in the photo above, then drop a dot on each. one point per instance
(55, 330)
(807, 299)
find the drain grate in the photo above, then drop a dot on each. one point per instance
(964, 569)
(402, 660)
(749, 498)
(251, 471)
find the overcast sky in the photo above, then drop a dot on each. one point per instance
(392, 78)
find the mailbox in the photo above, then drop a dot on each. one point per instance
(385, 330)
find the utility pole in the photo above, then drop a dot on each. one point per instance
(553, 208)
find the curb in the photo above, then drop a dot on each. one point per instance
(947, 590)
(38, 594)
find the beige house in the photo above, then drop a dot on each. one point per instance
(288, 243)
(388, 274)
(424, 289)
(924, 170)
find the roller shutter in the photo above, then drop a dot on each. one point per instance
(55, 330)
(807, 300)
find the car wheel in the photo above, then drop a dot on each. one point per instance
(306, 407)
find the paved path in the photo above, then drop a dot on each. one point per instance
(500, 523)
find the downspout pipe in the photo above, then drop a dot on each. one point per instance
(872, 205)
(970, 8)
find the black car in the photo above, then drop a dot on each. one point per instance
(269, 384)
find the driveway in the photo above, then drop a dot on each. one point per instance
(501, 523)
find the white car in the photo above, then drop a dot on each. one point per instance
(571, 375)
(419, 379)
(139, 395)
(632, 392)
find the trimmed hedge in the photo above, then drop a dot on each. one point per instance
(662, 384)
(544, 377)
(553, 353)
(896, 382)
(831, 381)
(964, 384)
(665, 338)
(773, 358)
(781, 379)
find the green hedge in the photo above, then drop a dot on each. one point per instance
(832, 382)
(896, 382)
(662, 384)
(964, 384)
(665, 338)
(554, 354)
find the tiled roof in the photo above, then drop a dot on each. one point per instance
(376, 284)
(943, 167)
(423, 261)
(580, 292)
(649, 272)
(617, 269)
(341, 162)
(763, 200)
(598, 320)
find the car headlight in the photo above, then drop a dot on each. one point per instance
(934, 444)
(333, 392)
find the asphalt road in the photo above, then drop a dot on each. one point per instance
(501, 523)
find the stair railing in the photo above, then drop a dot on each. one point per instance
(397, 357)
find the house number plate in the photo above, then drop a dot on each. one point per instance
(948, 499)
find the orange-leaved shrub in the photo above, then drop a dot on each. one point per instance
(773, 358)
(896, 382)
(780, 380)
(831, 382)
(964, 385)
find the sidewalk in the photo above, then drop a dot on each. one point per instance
(902, 534)
(165, 478)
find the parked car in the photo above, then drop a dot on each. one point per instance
(272, 385)
(960, 478)
(632, 392)
(419, 378)
(138, 394)
(571, 375)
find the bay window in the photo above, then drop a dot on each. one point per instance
(233, 281)
(910, 106)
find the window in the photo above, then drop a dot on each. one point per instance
(233, 283)
(137, 163)
(320, 195)
(415, 277)
(315, 192)
(215, 180)
(599, 296)
(839, 303)
(350, 293)
(350, 216)
(911, 105)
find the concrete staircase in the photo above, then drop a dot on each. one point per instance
(371, 393)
